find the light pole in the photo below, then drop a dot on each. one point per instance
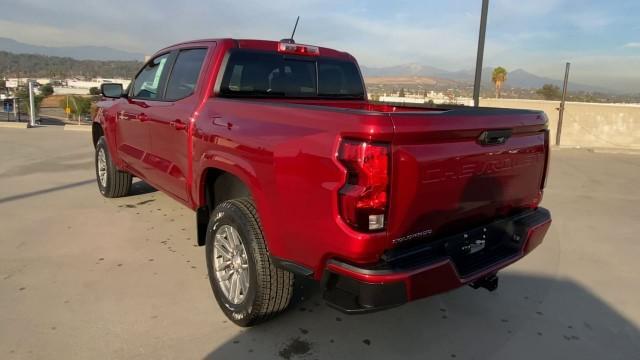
(15, 109)
(32, 106)
(483, 31)
(561, 108)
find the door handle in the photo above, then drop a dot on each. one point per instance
(123, 116)
(219, 121)
(178, 125)
(494, 137)
(143, 117)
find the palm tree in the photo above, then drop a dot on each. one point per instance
(498, 77)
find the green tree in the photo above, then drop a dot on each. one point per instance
(78, 105)
(94, 91)
(3, 85)
(23, 97)
(30, 65)
(401, 93)
(499, 77)
(549, 92)
(46, 90)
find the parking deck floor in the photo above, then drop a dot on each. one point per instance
(83, 277)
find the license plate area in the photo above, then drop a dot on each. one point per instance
(481, 247)
(470, 251)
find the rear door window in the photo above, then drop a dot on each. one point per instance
(185, 73)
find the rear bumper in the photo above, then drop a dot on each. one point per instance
(439, 266)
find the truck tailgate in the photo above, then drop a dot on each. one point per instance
(457, 169)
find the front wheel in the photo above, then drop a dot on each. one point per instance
(112, 182)
(246, 284)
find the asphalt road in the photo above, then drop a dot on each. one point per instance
(83, 277)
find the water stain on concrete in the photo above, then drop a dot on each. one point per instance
(295, 347)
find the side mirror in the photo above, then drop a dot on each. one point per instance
(111, 90)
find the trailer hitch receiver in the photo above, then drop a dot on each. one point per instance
(490, 283)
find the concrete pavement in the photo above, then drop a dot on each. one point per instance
(86, 277)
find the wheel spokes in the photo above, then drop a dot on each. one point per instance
(231, 264)
(222, 265)
(244, 276)
(223, 248)
(230, 238)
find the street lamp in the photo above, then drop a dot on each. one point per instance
(483, 30)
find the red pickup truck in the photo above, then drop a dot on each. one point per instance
(291, 171)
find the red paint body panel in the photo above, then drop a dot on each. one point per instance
(442, 180)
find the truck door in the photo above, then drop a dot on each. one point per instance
(133, 139)
(169, 125)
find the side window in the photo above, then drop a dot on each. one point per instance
(184, 75)
(147, 84)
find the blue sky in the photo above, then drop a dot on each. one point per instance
(600, 38)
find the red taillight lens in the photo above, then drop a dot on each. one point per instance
(298, 49)
(363, 198)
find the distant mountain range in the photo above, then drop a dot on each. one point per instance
(75, 52)
(518, 78)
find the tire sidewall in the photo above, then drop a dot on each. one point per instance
(101, 145)
(228, 214)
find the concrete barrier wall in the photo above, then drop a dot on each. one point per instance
(585, 124)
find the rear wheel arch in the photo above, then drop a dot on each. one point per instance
(217, 187)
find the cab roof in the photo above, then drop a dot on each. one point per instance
(267, 45)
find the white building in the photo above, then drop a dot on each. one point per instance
(401, 99)
(437, 98)
(88, 84)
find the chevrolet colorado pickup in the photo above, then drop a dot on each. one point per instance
(291, 171)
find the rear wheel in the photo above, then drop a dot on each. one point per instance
(246, 284)
(111, 181)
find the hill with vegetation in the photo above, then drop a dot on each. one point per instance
(34, 66)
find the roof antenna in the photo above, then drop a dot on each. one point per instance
(290, 40)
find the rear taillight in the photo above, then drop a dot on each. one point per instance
(364, 197)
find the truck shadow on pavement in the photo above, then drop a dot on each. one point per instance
(528, 317)
(137, 188)
(140, 188)
(45, 191)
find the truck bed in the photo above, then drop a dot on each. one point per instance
(443, 179)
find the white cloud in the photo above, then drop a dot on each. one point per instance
(590, 21)
(523, 8)
(632, 45)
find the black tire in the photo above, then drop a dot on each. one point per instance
(117, 183)
(270, 288)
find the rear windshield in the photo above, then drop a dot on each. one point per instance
(266, 74)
